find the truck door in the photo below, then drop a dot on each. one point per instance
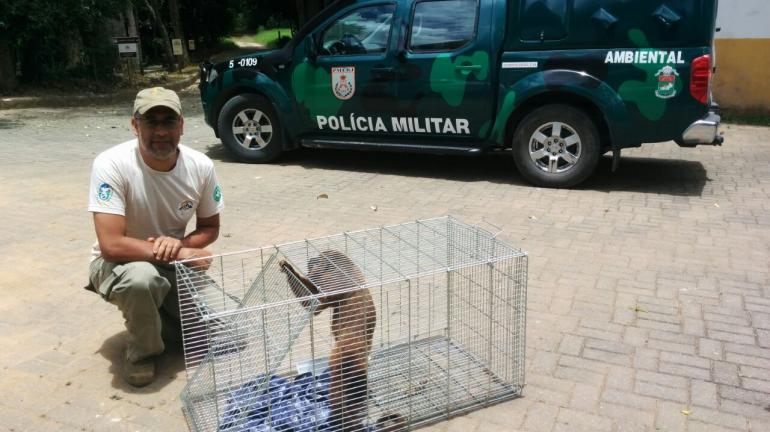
(345, 89)
(445, 71)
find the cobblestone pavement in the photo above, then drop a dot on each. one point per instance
(649, 289)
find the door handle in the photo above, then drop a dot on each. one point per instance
(383, 74)
(467, 68)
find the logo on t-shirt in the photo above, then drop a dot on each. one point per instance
(217, 193)
(105, 192)
(185, 207)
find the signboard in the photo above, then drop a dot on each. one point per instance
(127, 46)
(191, 44)
(127, 49)
(176, 44)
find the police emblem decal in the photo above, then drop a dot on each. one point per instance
(666, 82)
(344, 82)
(105, 192)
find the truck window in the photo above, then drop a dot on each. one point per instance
(442, 25)
(543, 20)
(362, 31)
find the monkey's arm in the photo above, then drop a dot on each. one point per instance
(300, 285)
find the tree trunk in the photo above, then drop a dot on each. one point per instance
(301, 18)
(132, 30)
(176, 26)
(153, 9)
(7, 65)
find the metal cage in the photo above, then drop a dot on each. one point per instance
(450, 303)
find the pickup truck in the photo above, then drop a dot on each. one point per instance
(557, 83)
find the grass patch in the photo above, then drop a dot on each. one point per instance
(270, 37)
(753, 118)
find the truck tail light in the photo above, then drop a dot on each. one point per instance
(700, 78)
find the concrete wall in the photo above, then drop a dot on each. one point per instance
(742, 81)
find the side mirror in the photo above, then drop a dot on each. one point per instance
(311, 48)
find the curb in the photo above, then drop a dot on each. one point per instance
(77, 100)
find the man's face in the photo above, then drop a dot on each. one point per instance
(158, 130)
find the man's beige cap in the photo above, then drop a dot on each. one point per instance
(157, 96)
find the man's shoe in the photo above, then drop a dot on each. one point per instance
(139, 373)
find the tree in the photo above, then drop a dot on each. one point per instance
(176, 25)
(59, 38)
(7, 64)
(153, 7)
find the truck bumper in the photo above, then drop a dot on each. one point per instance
(703, 131)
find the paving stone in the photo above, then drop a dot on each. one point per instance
(628, 399)
(571, 345)
(646, 359)
(704, 394)
(654, 312)
(569, 419)
(718, 418)
(686, 371)
(540, 417)
(625, 413)
(710, 349)
(669, 417)
(661, 392)
(743, 395)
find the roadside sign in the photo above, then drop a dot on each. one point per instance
(127, 49)
(177, 46)
(191, 44)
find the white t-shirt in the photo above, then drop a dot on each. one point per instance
(154, 203)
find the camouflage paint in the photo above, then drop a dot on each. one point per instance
(444, 76)
(319, 100)
(506, 109)
(642, 93)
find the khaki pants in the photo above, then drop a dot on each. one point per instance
(146, 295)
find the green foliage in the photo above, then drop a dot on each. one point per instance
(272, 37)
(268, 13)
(60, 37)
(56, 39)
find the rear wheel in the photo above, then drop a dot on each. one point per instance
(556, 146)
(249, 128)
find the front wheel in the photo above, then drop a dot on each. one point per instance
(249, 128)
(556, 146)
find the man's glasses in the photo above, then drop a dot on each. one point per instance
(154, 122)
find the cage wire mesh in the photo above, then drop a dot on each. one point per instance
(437, 330)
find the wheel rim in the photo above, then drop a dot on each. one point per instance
(252, 129)
(555, 147)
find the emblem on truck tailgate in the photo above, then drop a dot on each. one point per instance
(666, 82)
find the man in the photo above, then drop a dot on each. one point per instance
(143, 193)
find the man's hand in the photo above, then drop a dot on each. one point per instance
(202, 263)
(165, 248)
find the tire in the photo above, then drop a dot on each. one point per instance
(556, 146)
(249, 128)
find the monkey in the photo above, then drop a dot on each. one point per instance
(354, 318)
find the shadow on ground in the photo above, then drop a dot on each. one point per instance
(650, 175)
(167, 366)
(635, 174)
(9, 124)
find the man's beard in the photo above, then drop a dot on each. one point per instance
(166, 150)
